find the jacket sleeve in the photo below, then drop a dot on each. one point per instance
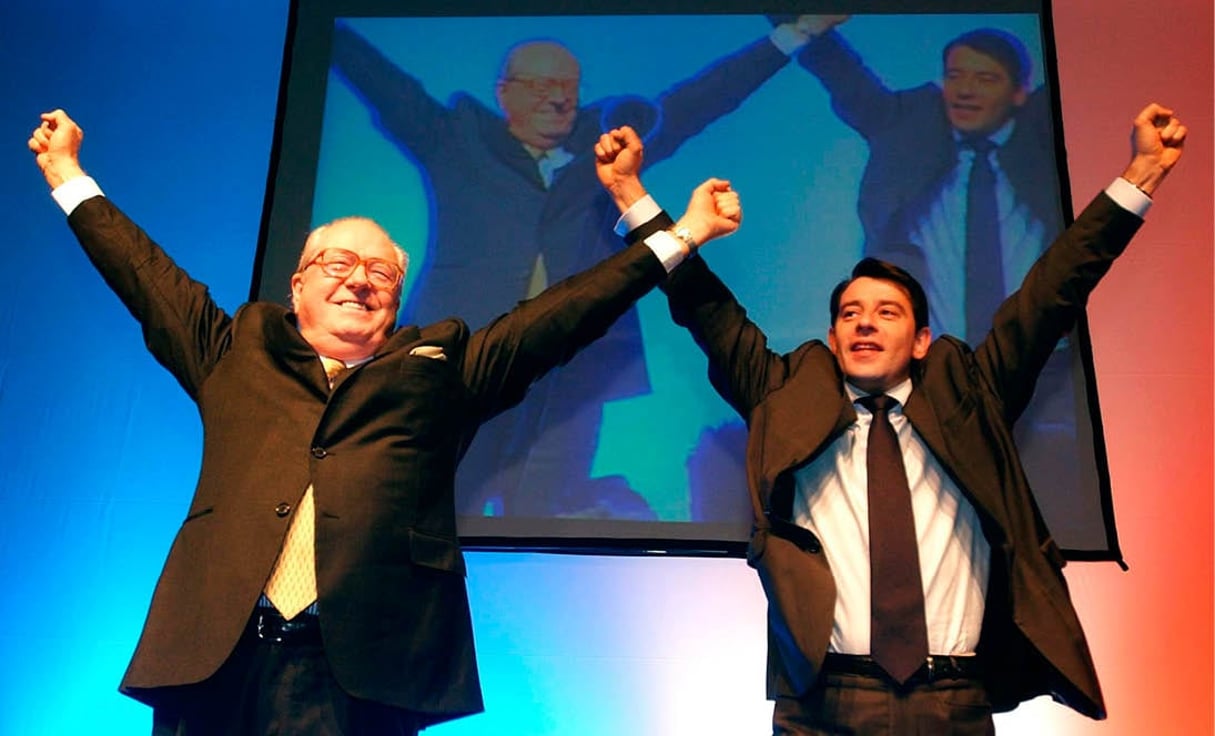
(504, 358)
(742, 368)
(858, 97)
(399, 103)
(688, 107)
(1051, 298)
(182, 325)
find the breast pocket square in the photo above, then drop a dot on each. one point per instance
(429, 351)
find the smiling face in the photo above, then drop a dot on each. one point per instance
(538, 93)
(980, 94)
(345, 318)
(874, 336)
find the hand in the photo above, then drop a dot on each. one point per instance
(618, 157)
(817, 25)
(1157, 139)
(713, 211)
(56, 147)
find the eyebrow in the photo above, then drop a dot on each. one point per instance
(880, 303)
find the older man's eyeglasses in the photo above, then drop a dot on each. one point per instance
(340, 263)
(545, 87)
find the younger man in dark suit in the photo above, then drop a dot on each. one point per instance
(913, 587)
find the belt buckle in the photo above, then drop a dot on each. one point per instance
(267, 632)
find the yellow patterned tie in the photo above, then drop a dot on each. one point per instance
(292, 585)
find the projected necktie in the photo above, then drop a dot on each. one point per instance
(898, 637)
(292, 585)
(984, 256)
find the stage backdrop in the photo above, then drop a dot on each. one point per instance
(100, 448)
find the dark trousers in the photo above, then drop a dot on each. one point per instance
(857, 705)
(268, 688)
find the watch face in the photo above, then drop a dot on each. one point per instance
(685, 235)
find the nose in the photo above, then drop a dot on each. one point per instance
(358, 277)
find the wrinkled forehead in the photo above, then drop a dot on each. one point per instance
(542, 59)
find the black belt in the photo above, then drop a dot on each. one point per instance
(936, 667)
(269, 625)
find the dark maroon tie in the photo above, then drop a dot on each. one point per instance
(898, 637)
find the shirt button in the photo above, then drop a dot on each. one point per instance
(283, 509)
(319, 452)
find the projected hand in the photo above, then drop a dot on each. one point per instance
(56, 147)
(817, 25)
(1157, 139)
(618, 156)
(713, 212)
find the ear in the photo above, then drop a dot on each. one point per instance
(923, 338)
(297, 285)
(1020, 96)
(831, 341)
(499, 92)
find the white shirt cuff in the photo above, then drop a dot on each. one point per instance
(668, 248)
(72, 192)
(642, 211)
(1129, 197)
(788, 40)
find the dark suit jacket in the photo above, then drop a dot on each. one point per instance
(912, 149)
(380, 450)
(963, 405)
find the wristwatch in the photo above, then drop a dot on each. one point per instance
(685, 235)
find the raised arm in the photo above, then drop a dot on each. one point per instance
(859, 98)
(182, 325)
(714, 209)
(1056, 289)
(397, 101)
(690, 105)
(741, 367)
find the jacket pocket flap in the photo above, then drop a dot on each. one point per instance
(440, 553)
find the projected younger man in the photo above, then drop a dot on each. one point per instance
(927, 146)
(316, 585)
(515, 205)
(913, 587)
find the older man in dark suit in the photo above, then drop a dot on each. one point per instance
(316, 585)
(913, 587)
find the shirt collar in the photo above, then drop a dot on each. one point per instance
(999, 137)
(899, 393)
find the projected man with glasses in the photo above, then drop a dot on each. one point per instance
(515, 206)
(316, 584)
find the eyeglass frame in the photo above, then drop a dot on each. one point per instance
(567, 86)
(358, 261)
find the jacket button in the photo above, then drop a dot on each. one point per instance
(319, 452)
(282, 509)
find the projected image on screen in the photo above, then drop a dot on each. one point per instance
(469, 139)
